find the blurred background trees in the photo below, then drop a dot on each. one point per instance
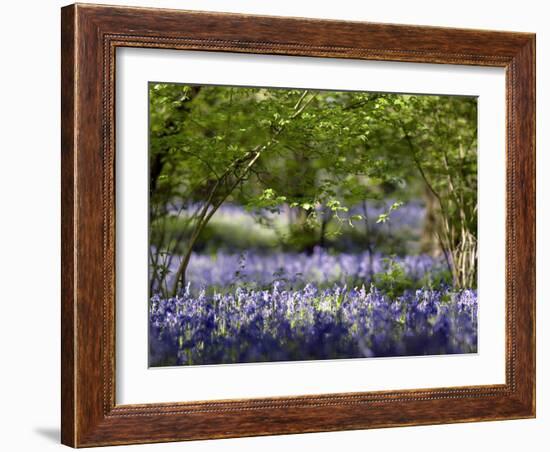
(322, 160)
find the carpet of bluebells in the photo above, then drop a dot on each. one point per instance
(288, 306)
(320, 268)
(309, 324)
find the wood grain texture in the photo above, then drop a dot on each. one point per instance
(67, 226)
(90, 36)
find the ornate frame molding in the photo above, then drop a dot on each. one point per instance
(90, 36)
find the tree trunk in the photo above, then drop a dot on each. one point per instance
(429, 243)
(240, 168)
(368, 240)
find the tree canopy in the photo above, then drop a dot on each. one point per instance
(318, 152)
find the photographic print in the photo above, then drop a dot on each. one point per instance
(286, 210)
(296, 224)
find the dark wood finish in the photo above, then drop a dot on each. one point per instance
(90, 35)
(67, 225)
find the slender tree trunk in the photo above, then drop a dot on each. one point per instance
(460, 251)
(325, 218)
(205, 215)
(179, 279)
(429, 242)
(368, 240)
(240, 168)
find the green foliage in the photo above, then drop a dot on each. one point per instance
(315, 152)
(393, 280)
(384, 217)
(268, 200)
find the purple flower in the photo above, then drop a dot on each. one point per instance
(284, 324)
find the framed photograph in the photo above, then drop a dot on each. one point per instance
(280, 225)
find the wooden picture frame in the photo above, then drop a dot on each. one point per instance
(90, 36)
